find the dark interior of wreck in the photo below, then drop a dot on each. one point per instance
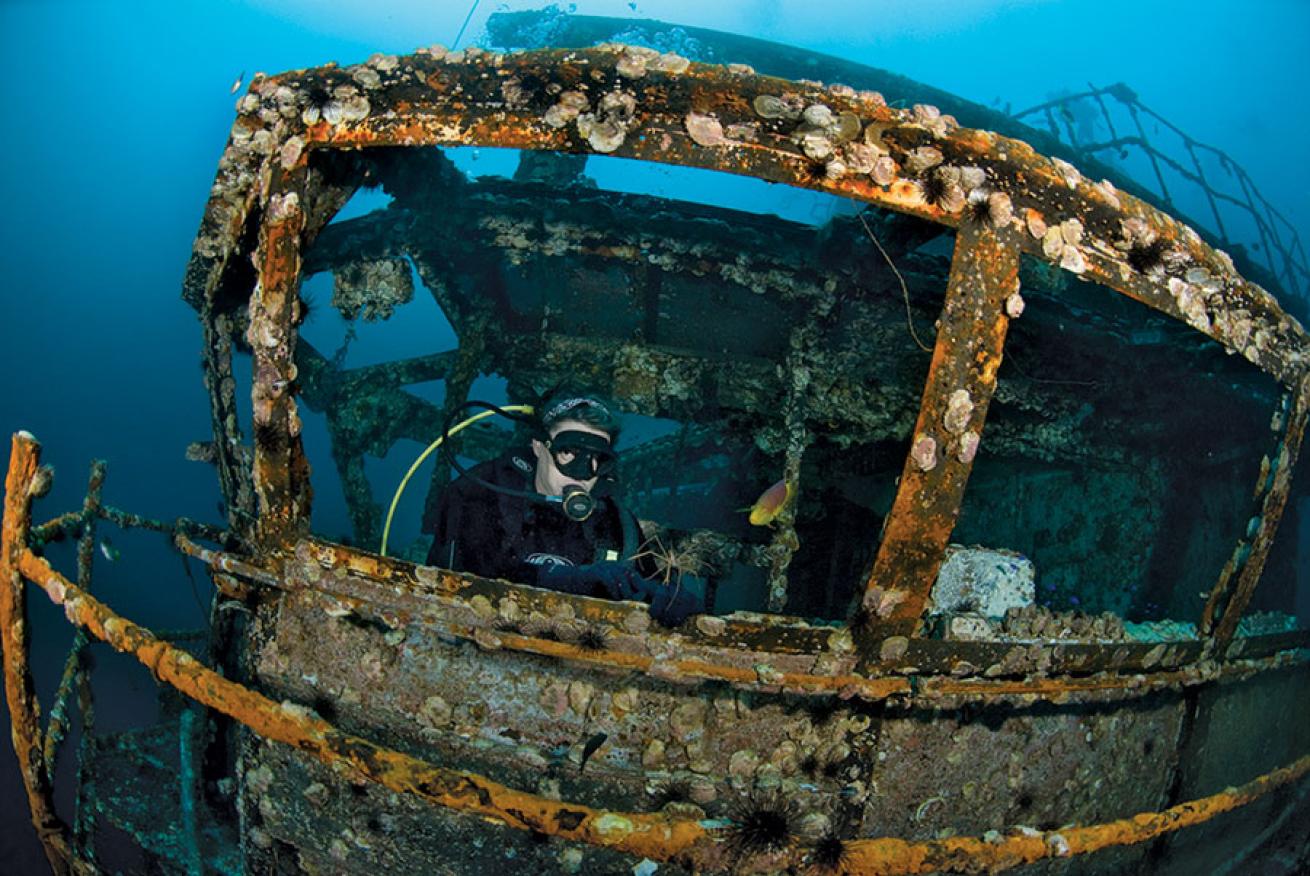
(1118, 455)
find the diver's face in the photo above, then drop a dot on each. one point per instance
(549, 479)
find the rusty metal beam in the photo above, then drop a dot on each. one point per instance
(281, 472)
(1271, 512)
(24, 710)
(961, 380)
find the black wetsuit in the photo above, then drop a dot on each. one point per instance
(498, 536)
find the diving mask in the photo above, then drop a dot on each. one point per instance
(582, 455)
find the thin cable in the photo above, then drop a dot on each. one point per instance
(905, 291)
(395, 500)
(467, 19)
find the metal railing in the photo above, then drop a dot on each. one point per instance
(1111, 122)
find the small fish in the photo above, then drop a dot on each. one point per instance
(589, 749)
(236, 86)
(108, 550)
(771, 503)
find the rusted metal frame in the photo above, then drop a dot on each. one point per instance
(1278, 240)
(72, 522)
(128, 520)
(20, 696)
(772, 163)
(959, 386)
(56, 529)
(73, 664)
(1271, 513)
(1096, 95)
(1063, 100)
(1221, 592)
(281, 471)
(1027, 178)
(692, 842)
(403, 586)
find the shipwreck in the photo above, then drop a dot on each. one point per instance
(1032, 608)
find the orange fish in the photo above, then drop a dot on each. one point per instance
(771, 503)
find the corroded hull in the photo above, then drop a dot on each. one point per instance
(455, 681)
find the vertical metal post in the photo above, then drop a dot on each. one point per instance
(1221, 633)
(24, 711)
(961, 379)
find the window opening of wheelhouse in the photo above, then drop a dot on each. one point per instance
(1114, 484)
(699, 399)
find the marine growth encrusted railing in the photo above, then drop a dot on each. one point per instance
(1002, 199)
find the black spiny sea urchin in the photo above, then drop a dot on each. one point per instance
(762, 823)
(829, 853)
(934, 188)
(1145, 257)
(594, 637)
(980, 209)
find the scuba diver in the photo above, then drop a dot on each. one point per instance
(546, 515)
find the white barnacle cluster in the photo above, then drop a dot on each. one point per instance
(568, 106)
(1061, 243)
(1068, 172)
(343, 105)
(704, 129)
(634, 62)
(823, 135)
(607, 127)
(933, 120)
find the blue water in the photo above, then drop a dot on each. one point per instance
(115, 114)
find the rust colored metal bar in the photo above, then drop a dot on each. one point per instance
(1270, 514)
(688, 841)
(871, 689)
(892, 857)
(961, 379)
(24, 710)
(219, 561)
(281, 472)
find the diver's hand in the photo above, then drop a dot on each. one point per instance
(670, 605)
(611, 579)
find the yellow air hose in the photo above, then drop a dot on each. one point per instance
(395, 500)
